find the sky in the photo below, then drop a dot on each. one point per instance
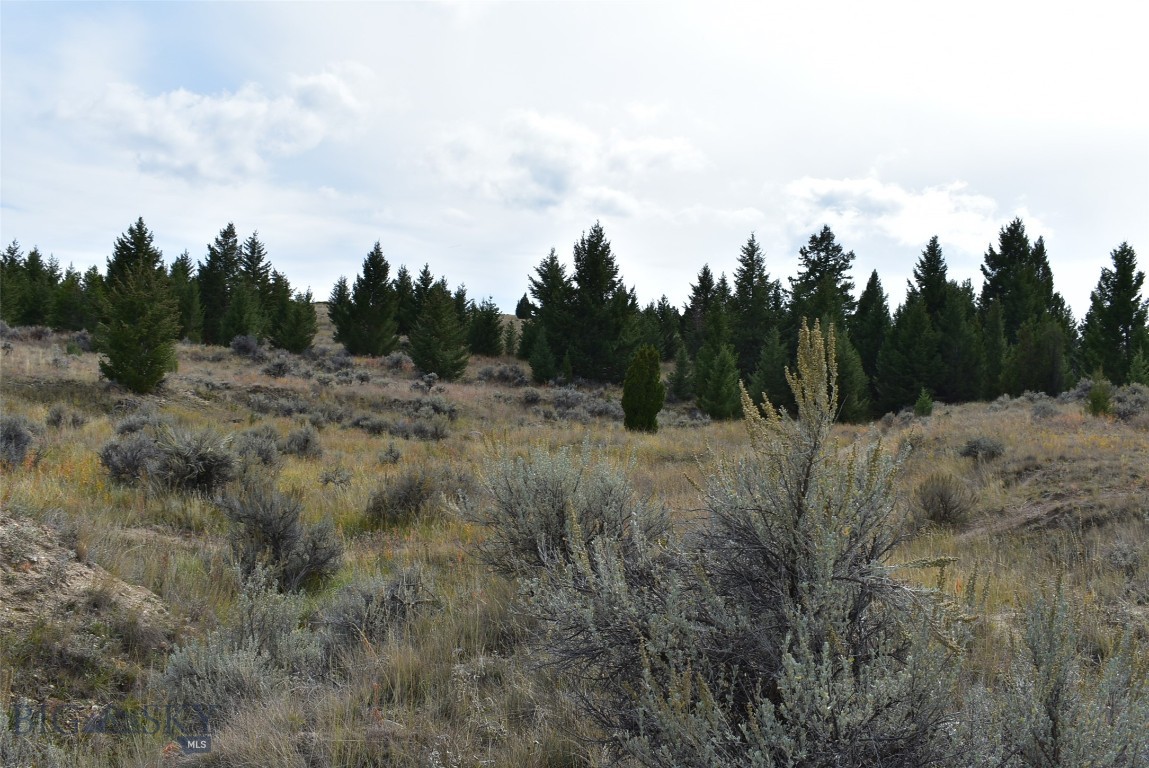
(474, 137)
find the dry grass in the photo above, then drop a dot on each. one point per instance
(1066, 498)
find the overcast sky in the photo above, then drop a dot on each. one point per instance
(477, 136)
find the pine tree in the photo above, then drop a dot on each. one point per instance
(216, 275)
(13, 284)
(870, 324)
(960, 355)
(601, 306)
(510, 338)
(823, 287)
(697, 309)
(296, 329)
(681, 378)
(756, 306)
(40, 279)
(243, 316)
(438, 340)
(485, 332)
(669, 322)
(720, 398)
(134, 248)
(1139, 368)
(553, 294)
(94, 290)
(1018, 275)
(768, 383)
(853, 385)
(524, 309)
(1115, 327)
(930, 277)
(364, 319)
(405, 311)
(463, 305)
(68, 303)
(423, 284)
(909, 360)
(254, 268)
(137, 335)
(540, 357)
(1038, 362)
(643, 392)
(185, 289)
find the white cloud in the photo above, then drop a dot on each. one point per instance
(860, 208)
(226, 136)
(543, 161)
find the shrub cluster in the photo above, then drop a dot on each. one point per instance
(268, 533)
(366, 612)
(60, 416)
(511, 375)
(944, 500)
(15, 438)
(403, 499)
(982, 449)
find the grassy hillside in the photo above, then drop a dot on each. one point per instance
(102, 580)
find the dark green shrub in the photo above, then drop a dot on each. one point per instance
(402, 499)
(137, 338)
(1099, 400)
(15, 438)
(944, 500)
(643, 393)
(268, 533)
(924, 406)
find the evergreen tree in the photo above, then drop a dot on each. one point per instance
(216, 275)
(12, 284)
(423, 284)
(405, 311)
(1115, 327)
(524, 310)
(339, 310)
(1017, 275)
(1038, 362)
(553, 294)
(716, 338)
(823, 287)
(870, 324)
(960, 356)
(254, 268)
(137, 335)
(510, 338)
(485, 330)
(93, 283)
(756, 305)
(601, 308)
(438, 340)
(243, 316)
(1139, 368)
(40, 279)
(930, 277)
(908, 361)
(643, 393)
(296, 329)
(681, 379)
(669, 322)
(68, 303)
(131, 249)
(768, 383)
(365, 322)
(463, 305)
(853, 386)
(720, 398)
(697, 309)
(185, 289)
(994, 350)
(541, 358)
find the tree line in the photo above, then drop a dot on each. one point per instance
(584, 323)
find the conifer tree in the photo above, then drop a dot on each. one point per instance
(697, 309)
(960, 355)
(681, 378)
(438, 340)
(669, 322)
(870, 324)
(11, 283)
(524, 310)
(295, 331)
(254, 268)
(185, 289)
(1139, 369)
(853, 385)
(540, 357)
(994, 350)
(768, 383)
(909, 360)
(364, 319)
(1038, 362)
(510, 338)
(136, 337)
(643, 392)
(405, 311)
(243, 316)
(485, 331)
(423, 284)
(930, 277)
(720, 398)
(37, 288)
(553, 294)
(756, 305)
(1115, 327)
(823, 287)
(601, 309)
(216, 276)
